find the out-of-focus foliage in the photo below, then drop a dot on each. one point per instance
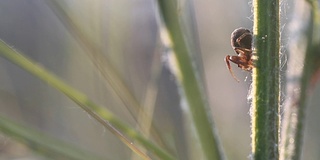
(129, 37)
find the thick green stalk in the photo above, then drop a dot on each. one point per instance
(101, 114)
(265, 102)
(187, 78)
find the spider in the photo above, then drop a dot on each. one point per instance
(241, 42)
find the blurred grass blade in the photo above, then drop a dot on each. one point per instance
(149, 100)
(45, 145)
(102, 115)
(308, 31)
(188, 79)
(93, 48)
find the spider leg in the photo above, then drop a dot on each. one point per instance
(242, 62)
(228, 59)
(240, 49)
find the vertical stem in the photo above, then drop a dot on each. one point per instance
(188, 81)
(265, 102)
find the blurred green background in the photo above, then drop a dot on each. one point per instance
(129, 36)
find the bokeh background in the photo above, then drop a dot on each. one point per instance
(129, 34)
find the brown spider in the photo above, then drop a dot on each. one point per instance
(241, 42)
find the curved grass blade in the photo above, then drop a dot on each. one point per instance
(108, 72)
(102, 115)
(43, 144)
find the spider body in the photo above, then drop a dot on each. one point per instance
(241, 42)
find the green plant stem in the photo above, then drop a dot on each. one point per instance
(101, 114)
(265, 102)
(188, 81)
